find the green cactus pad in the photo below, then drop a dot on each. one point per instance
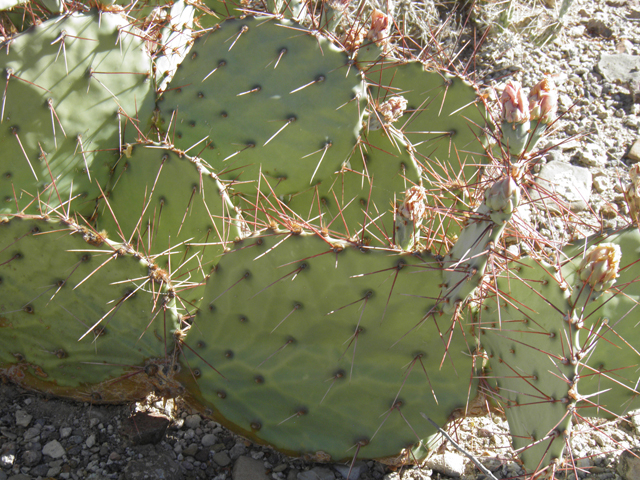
(306, 343)
(610, 366)
(260, 96)
(443, 123)
(168, 204)
(80, 316)
(357, 201)
(73, 87)
(532, 353)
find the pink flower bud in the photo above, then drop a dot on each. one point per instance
(515, 106)
(543, 101)
(380, 27)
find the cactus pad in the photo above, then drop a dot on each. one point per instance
(313, 345)
(80, 316)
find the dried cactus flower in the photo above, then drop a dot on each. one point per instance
(543, 101)
(414, 206)
(380, 28)
(515, 105)
(352, 40)
(600, 266)
(392, 109)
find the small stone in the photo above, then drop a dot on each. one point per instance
(609, 211)
(53, 449)
(598, 28)
(91, 441)
(209, 440)
(222, 459)
(65, 432)
(192, 421)
(629, 465)
(39, 470)
(7, 457)
(114, 456)
(247, 468)
(634, 152)
(145, 428)
(31, 434)
(23, 419)
(237, 450)
(53, 471)
(449, 463)
(356, 470)
(191, 450)
(31, 458)
(202, 455)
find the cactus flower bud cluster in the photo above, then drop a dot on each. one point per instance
(520, 110)
(600, 266)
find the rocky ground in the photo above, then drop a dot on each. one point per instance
(595, 61)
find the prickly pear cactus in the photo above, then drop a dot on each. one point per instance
(532, 355)
(169, 205)
(264, 102)
(54, 151)
(81, 316)
(315, 345)
(610, 362)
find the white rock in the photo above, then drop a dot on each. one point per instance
(23, 419)
(209, 440)
(192, 421)
(570, 185)
(54, 449)
(449, 463)
(91, 441)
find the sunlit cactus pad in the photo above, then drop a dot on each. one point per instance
(261, 96)
(73, 90)
(313, 345)
(531, 352)
(169, 205)
(82, 317)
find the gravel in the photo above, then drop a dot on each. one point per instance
(592, 61)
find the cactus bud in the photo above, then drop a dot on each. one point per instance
(380, 28)
(393, 109)
(543, 101)
(502, 196)
(515, 105)
(515, 118)
(600, 266)
(409, 216)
